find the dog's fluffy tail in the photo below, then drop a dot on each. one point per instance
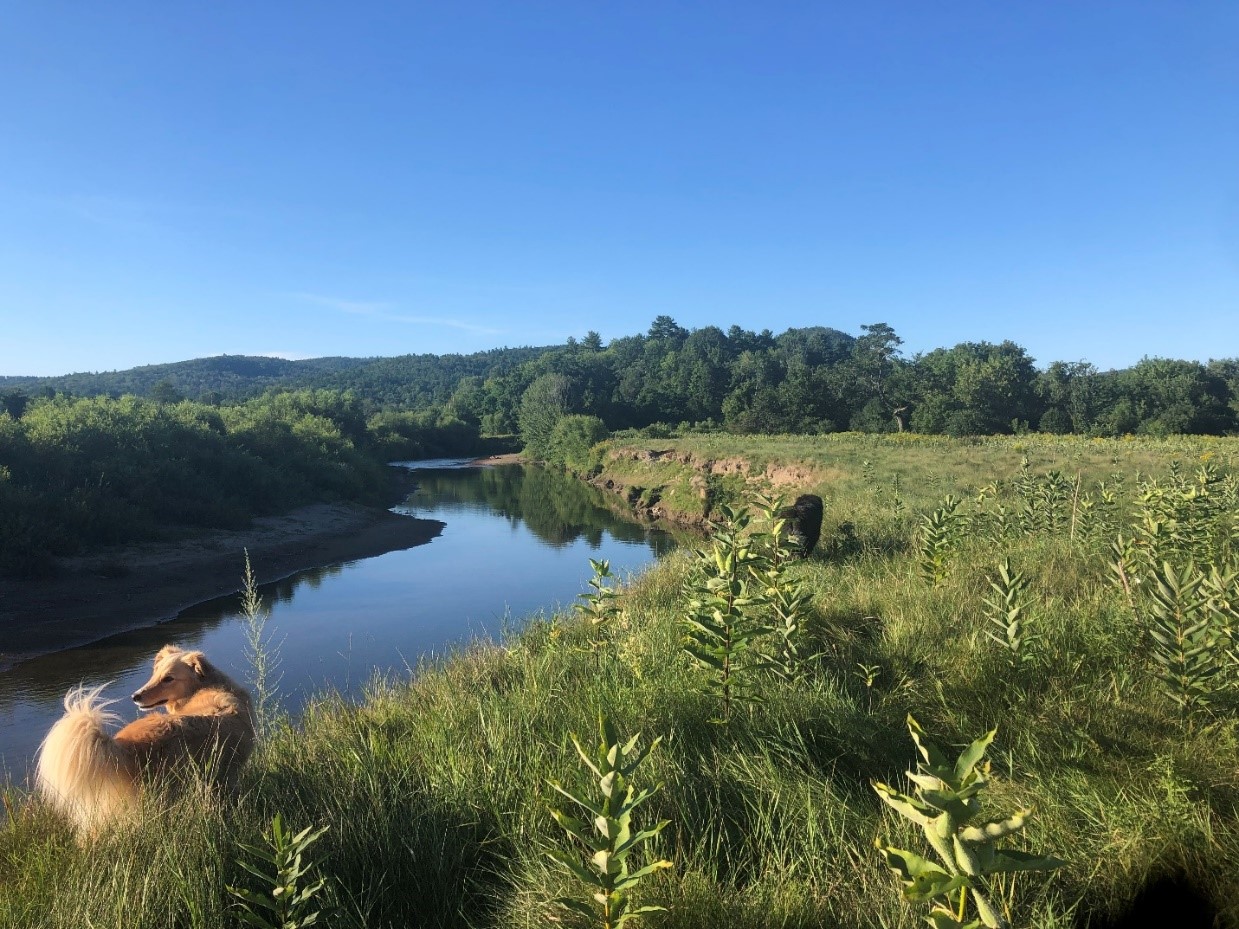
(82, 771)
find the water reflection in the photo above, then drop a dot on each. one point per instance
(517, 541)
(557, 509)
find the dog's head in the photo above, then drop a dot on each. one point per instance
(177, 675)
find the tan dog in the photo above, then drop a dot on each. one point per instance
(94, 777)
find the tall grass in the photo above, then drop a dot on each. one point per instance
(435, 787)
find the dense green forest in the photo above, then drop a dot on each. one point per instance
(106, 458)
(84, 471)
(803, 380)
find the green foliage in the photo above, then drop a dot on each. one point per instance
(100, 471)
(975, 388)
(1184, 519)
(1097, 513)
(601, 605)
(401, 382)
(432, 433)
(286, 870)
(808, 380)
(1007, 610)
(573, 439)
(1163, 396)
(76, 473)
(1188, 634)
(787, 601)
(1046, 500)
(1187, 611)
(741, 596)
(544, 403)
(946, 805)
(613, 838)
(940, 533)
(722, 606)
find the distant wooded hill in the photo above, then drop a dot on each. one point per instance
(411, 381)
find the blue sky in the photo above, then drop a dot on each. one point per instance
(305, 179)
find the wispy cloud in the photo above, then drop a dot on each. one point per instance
(384, 311)
(357, 307)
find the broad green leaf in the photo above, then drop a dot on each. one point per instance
(904, 805)
(989, 914)
(927, 781)
(607, 783)
(251, 898)
(907, 864)
(934, 758)
(973, 753)
(966, 858)
(585, 758)
(635, 876)
(584, 804)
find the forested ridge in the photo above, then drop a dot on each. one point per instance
(814, 379)
(413, 381)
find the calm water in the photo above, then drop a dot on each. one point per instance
(517, 541)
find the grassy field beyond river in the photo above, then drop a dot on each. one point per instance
(435, 791)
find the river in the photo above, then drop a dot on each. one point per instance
(517, 542)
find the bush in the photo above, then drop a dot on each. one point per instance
(573, 437)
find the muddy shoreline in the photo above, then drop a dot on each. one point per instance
(131, 586)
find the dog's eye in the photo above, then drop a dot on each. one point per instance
(167, 679)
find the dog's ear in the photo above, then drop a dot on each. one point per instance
(167, 651)
(198, 664)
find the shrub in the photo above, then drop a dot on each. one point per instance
(572, 439)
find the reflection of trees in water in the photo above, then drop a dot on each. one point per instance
(96, 663)
(558, 509)
(117, 655)
(281, 591)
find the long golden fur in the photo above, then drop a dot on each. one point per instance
(94, 777)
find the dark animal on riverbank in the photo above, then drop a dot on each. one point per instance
(94, 777)
(804, 522)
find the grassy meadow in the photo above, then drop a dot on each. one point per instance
(1114, 703)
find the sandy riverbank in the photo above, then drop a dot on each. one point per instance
(130, 586)
(507, 458)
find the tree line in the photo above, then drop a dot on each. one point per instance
(806, 380)
(83, 471)
(822, 380)
(97, 469)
